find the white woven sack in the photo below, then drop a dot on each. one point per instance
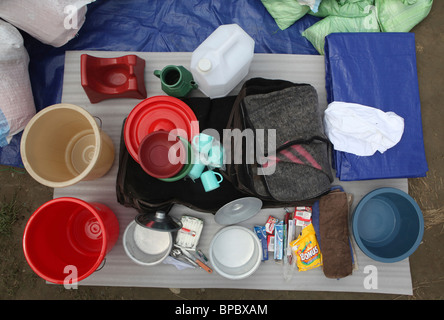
(52, 22)
(16, 100)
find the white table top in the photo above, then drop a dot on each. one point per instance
(119, 270)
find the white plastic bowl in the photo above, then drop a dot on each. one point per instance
(235, 252)
(145, 246)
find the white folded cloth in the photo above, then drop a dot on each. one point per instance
(361, 130)
(180, 265)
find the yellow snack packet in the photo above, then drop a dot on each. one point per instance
(306, 249)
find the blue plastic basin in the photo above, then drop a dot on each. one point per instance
(388, 225)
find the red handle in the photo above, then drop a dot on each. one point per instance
(204, 266)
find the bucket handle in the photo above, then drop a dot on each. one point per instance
(102, 264)
(99, 121)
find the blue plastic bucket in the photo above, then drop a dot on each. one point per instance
(388, 225)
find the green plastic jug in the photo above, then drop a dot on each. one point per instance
(176, 81)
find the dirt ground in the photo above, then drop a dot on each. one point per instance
(18, 281)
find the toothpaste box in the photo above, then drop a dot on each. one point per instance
(303, 208)
(290, 236)
(262, 235)
(302, 216)
(270, 242)
(279, 241)
(269, 225)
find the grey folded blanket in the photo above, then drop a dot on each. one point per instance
(300, 159)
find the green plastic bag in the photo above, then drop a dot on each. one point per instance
(343, 8)
(401, 15)
(332, 24)
(285, 12)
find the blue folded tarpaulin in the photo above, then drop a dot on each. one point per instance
(378, 70)
(153, 26)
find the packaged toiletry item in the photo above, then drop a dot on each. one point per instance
(269, 225)
(270, 242)
(302, 216)
(279, 241)
(291, 236)
(262, 235)
(188, 236)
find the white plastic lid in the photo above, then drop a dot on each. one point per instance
(238, 210)
(204, 65)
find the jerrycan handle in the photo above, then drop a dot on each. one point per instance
(227, 45)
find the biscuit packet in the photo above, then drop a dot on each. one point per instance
(306, 249)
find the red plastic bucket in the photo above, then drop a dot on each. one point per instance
(69, 232)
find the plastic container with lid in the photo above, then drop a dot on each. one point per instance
(222, 60)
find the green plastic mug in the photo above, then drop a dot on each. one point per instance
(202, 143)
(211, 180)
(196, 170)
(176, 81)
(216, 156)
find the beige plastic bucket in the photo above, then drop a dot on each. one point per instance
(63, 144)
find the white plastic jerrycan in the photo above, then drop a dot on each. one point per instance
(222, 60)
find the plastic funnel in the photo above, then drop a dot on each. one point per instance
(63, 144)
(69, 232)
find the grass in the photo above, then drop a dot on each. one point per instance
(8, 215)
(10, 267)
(428, 191)
(433, 217)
